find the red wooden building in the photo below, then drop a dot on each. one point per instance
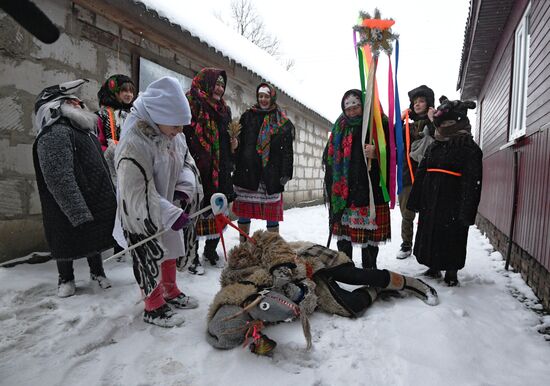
(505, 66)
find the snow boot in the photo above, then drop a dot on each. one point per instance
(433, 273)
(196, 267)
(451, 278)
(369, 255)
(413, 286)
(245, 227)
(101, 280)
(210, 253)
(404, 252)
(183, 302)
(346, 247)
(163, 317)
(66, 289)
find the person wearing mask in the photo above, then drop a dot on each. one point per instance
(446, 192)
(347, 187)
(76, 191)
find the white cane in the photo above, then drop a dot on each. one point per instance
(218, 203)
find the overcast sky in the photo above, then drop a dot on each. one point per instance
(318, 36)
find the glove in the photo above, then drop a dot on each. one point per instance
(182, 221)
(284, 179)
(180, 196)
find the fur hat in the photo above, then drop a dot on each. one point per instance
(420, 91)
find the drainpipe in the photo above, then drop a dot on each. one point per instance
(514, 209)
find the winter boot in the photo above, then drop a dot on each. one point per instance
(274, 229)
(66, 289)
(196, 267)
(245, 227)
(101, 281)
(413, 286)
(163, 317)
(433, 273)
(346, 247)
(183, 301)
(451, 278)
(210, 253)
(368, 256)
(404, 252)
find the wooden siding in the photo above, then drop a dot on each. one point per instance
(496, 102)
(538, 89)
(532, 227)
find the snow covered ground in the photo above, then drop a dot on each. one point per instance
(482, 333)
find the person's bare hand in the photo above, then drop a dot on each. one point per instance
(234, 142)
(431, 112)
(404, 114)
(370, 151)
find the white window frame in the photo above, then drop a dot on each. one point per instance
(520, 74)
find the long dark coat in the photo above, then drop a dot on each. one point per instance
(76, 192)
(248, 163)
(447, 203)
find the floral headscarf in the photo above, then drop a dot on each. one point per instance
(208, 114)
(273, 121)
(111, 86)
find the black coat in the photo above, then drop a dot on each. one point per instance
(78, 176)
(248, 163)
(447, 203)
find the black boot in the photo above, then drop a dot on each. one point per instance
(210, 251)
(368, 256)
(346, 247)
(451, 278)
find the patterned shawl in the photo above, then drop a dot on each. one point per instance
(338, 159)
(273, 121)
(208, 114)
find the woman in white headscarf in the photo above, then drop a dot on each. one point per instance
(154, 169)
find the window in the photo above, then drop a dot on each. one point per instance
(150, 71)
(519, 78)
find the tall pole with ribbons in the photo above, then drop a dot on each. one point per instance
(375, 36)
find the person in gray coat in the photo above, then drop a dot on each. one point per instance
(75, 188)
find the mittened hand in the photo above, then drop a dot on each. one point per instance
(181, 222)
(283, 180)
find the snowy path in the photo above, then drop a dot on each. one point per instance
(480, 334)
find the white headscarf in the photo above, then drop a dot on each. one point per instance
(163, 102)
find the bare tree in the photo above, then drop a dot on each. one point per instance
(249, 24)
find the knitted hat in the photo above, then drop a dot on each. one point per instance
(166, 103)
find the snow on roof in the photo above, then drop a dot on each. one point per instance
(192, 17)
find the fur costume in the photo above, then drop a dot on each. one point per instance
(306, 274)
